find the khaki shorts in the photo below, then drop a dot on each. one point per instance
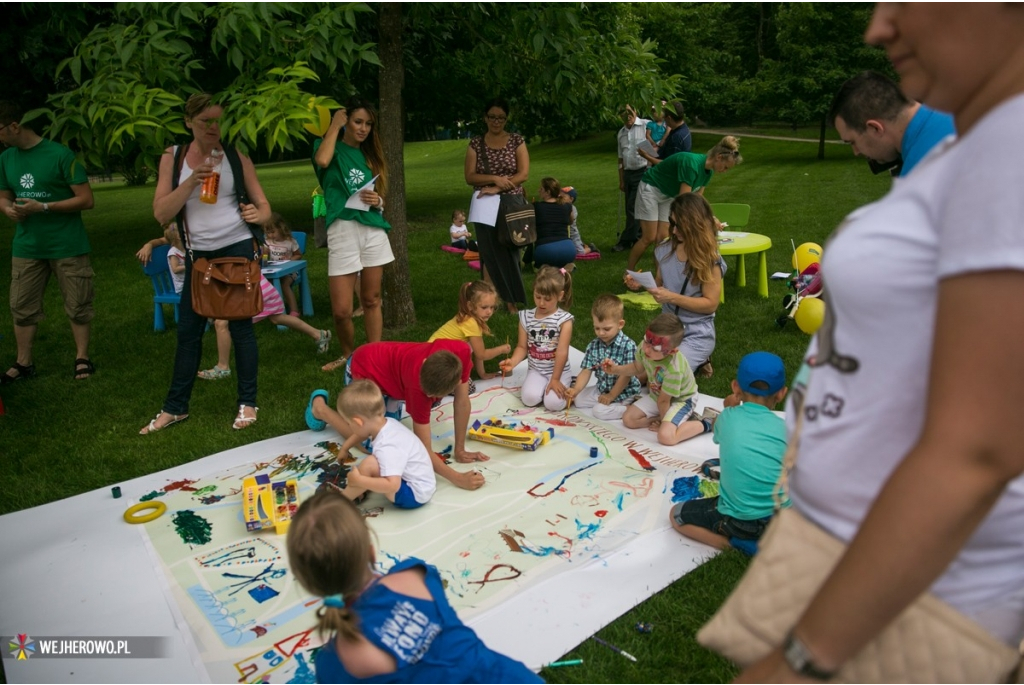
(353, 246)
(28, 283)
(652, 204)
(678, 411)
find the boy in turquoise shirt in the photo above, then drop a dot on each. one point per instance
(752, 442)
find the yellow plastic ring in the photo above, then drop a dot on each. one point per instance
(131, 515)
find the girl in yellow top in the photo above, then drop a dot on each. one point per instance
(477, 301)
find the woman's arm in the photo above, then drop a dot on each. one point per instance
(685, 188)
(474, 179)
(259, 211)
(707, 303)
(522, 166)
(561, 357)
(325, 153)
(166, 202)
(967, 454)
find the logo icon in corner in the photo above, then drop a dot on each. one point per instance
(22, 647)
(27, 181)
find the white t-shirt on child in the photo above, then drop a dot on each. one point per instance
(542, 339)
(456, 232)
(178, 279)
(400, 453)
(282, 250)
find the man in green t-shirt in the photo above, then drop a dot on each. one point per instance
(44, 189)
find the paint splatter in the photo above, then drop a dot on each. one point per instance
(192, 528)
(558, 488)
(557, 422)
(204, 491)
(601, 513)
(686, 488)
(708, 488)
(585, 531)
(152, 495)
(640, 459)
(212, 499)
(617, 500)
(184, 485)
(512, 575)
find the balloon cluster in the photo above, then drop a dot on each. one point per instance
(805, 305)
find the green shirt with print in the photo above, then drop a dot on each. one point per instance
(680, 168)
(671, 375)
(45, 172)
(344, 176)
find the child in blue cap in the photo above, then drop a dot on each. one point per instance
(752, 442)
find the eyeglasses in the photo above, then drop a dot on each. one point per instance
(497, 120)
(209, 123)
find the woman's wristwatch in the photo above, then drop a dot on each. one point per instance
(800, 659)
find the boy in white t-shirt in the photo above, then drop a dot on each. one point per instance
(399, 468)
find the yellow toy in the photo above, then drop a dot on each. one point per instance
(132, 515)
(516, 435)
(266, 504)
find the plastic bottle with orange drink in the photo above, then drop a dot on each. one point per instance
(211, 186)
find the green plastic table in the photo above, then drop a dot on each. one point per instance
(741, 244)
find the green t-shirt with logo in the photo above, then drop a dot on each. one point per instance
(45, 172)
(680, 168)
(346, 174)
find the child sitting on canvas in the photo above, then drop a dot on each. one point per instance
(399, 467)
(477, 302)
(175, 256)
(273, 311)
(396, 627)
(612, 395)
(283, 247)
(673, 389)
(752, 442)
(545, 333)
(568, 196)
(460, 235)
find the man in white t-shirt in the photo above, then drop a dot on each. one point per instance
(631, 170)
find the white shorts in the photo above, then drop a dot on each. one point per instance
(353, 246)
(677, 411)
(651, 204)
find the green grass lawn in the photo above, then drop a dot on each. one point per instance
(62, 437)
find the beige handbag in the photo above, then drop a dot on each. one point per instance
(930, 642)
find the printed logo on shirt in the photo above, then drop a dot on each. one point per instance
(27, 181)
(408, 632)
(356, 179)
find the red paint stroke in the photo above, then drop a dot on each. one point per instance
(463, 554)
(293, 643)
(558, 488)
(568, 542)
(487, 576)
(259, 630)
(557, 422)
(640, 459)
(183, 485)
(640, 491)
(600, 513)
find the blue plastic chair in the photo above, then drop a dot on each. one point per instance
(163, 286)
(300, 238)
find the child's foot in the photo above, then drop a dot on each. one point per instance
(336, 364)
(214, 374)
(323, 342)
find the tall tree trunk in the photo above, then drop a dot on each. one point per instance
(398, 306)
(821, 137)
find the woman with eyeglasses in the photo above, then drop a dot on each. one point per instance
(498, 163)
(689, 277)
(220, 228)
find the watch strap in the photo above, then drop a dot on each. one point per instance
(800, 659)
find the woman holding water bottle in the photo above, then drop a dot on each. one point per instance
(213, 191)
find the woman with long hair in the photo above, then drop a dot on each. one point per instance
(357, 237)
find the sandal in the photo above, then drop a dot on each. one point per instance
(335, 365)
(324, 342)
(312, 422)
(24, 372)
(214, 374)
(153, 428)
(83, 369)
(242, 421)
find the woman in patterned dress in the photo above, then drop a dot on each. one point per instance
(498, 163)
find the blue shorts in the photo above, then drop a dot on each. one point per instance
(404, 499)
(704, 513)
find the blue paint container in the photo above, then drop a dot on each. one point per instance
(593, 453)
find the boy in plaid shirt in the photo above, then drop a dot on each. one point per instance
(610, 397)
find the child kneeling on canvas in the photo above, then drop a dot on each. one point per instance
(752, 442)
(611, 396)
(400, 467)
(673, 390)
(392, 628)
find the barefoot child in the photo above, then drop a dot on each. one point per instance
(611, 396)
(752, 443)
(670, 381)
(283, 247)
(477, 302)
(395, 627)
(399, 467)
(545, 333)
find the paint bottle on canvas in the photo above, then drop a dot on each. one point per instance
(211, 185)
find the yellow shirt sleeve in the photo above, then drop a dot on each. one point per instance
(453, 330)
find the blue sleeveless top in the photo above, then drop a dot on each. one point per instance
(428, 641)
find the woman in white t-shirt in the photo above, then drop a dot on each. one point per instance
(910, 397)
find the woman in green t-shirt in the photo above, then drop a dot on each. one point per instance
(683, 172)
(357, 236)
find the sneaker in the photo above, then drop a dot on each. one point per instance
(708, 418)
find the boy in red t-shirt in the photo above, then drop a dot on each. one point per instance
(420, 374)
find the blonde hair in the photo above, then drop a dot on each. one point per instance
(277, 223)
(667, 326)
(172, 236)
(330, 553)
(554, 282)
(440, 374)
(458, 212)
(607, 307)
(361, 398)
(692, 214)
(728, 147)
(469, 296)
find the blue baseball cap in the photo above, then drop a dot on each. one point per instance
(761, 366)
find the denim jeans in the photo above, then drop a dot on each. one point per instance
(191, 326)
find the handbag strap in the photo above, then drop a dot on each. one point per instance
(780, 493)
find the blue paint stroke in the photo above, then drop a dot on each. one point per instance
(685, 489)
(585, 465)
(586, 531)
(617, 500)
(226, 625)
(303, 672)
(542, 551)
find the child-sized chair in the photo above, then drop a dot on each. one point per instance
(160, 275)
